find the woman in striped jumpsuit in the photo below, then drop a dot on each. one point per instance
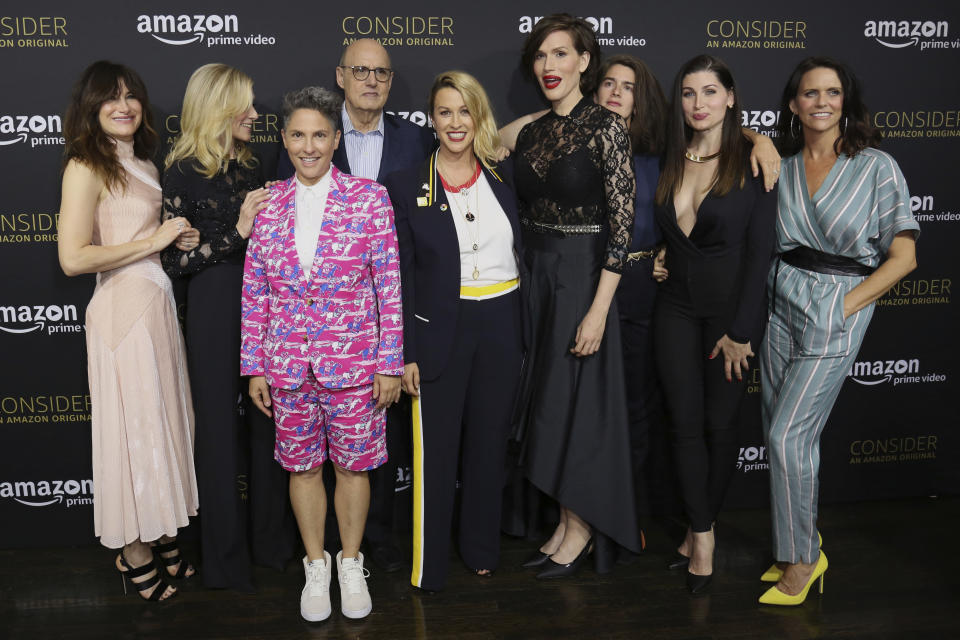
(845, 235)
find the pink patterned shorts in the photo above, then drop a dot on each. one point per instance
(314, 420)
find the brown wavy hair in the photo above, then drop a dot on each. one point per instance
(648, 121)
(856, 133)
(731, 167)
(86, 141)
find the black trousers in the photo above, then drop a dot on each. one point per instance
(703, 407)
(463, 417)
(383, 479)
(244, 508)
(636, 295)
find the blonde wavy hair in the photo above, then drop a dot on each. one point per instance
(216, 94)
(486, 140)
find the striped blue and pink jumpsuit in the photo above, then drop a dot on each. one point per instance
(809, 346)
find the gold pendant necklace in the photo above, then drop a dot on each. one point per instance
(463, 208)
(470, 217)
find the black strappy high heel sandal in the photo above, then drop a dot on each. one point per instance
(128, 573)
(170, 560)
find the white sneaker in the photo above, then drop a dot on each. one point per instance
(354, 597)
(315, 597)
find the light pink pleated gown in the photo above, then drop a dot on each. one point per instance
(144, 483)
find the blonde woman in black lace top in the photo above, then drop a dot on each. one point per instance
(575, 183)
(214, 181)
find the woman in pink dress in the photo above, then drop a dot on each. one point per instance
(142, 417)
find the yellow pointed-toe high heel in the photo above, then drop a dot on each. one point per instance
(774, 573)
(777, 597)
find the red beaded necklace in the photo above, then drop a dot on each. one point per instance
(466, 185)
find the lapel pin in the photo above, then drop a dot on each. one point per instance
(443, 207)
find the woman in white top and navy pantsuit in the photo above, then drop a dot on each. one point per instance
(459, 237)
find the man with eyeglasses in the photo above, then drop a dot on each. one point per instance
(374, 145)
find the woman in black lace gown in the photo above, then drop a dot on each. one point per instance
(575, 182)
(213, 180)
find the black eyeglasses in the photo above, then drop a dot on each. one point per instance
(382, 74)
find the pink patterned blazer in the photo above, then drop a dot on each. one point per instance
(343, 319)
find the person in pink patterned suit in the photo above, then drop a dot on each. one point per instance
(322, 338)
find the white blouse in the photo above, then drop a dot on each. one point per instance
(490, 231)
(310, 204)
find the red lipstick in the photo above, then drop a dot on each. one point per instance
(551, 82)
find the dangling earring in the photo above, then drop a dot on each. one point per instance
(793, 119)
(843, 129)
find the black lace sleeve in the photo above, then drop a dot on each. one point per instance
(620, 188)
(212, 205)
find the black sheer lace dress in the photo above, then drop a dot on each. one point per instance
(574, 176)
(212, 205)
(237, 525)
(575, 182)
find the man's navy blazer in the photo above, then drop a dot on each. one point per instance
(430, 259)
(404, 145)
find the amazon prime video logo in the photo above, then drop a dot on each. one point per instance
(753, 459)
(35, 130)
(43, 493)
(897, 372)
(209, 30)
(46, 319)
(898, 34)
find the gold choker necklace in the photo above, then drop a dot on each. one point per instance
(695, 158)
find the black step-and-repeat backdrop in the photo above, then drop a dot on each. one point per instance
(894, 430)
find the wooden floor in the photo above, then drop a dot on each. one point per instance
(892, 575)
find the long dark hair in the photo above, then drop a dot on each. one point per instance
(584, 40)
(647, 126)
(85, 140)
(731, 167)
(856, 131)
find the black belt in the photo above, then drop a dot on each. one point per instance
(812, 260)
(820, 262)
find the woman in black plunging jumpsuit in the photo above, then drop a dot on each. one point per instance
(718, 226)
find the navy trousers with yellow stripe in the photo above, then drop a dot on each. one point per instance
(461, 420)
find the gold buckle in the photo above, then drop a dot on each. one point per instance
(646, 254)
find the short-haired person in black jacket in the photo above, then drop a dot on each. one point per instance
(374, 145)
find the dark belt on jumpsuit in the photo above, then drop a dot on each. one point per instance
(812, 260)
